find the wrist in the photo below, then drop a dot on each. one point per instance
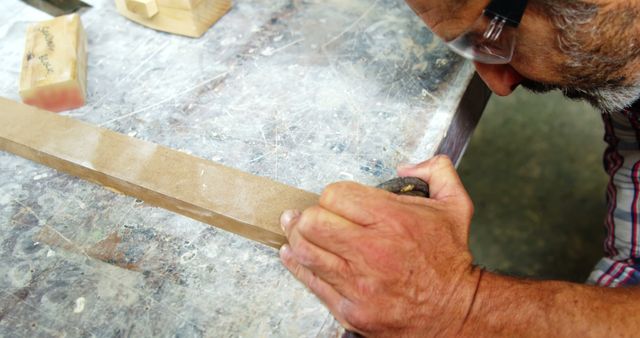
(510, 307)
(444, 313)
(506, 306)
(460, 306)
(467, 327)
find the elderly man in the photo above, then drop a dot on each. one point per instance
(388, 265)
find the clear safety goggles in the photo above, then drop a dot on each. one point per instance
(492, 37)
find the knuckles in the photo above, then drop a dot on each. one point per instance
(360, 318)
(331, 193)
(304, 254)
(440, 162)
(334, 192)
(468, 207)
(463, 210)
(312, 221)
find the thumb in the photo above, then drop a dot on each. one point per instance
(440, 174)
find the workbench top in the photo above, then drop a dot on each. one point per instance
(304, 92)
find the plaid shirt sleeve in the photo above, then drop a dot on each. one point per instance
(621, 264)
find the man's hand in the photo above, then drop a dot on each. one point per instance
(384, 264)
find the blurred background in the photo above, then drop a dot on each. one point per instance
(534, 171)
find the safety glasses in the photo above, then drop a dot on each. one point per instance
(492, 37)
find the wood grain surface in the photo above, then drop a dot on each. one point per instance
(224, 197)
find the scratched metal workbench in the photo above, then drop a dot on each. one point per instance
(304, 92)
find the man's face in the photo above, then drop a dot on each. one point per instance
(587, 50)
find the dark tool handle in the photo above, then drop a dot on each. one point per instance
(411, 186)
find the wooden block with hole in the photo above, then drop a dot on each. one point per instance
(183, 17)
(54, 66)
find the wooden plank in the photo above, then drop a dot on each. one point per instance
(227, 198)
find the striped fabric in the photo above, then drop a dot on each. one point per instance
(621, 266)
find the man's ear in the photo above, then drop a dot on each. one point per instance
(501, 79)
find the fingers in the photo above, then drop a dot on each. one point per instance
(358, 203)
(439, 173)
(367, 206)
(323, 290)
(444, 183)
(326, 230)
(316, 242)
(418, 7)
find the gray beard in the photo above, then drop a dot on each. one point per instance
(608, 98)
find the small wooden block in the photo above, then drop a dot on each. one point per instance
(239, 202)
(184, 17)
(54, 68)
(144, 8)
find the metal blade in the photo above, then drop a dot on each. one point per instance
(58, 7)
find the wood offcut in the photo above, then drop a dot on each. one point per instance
(227, 198)
(184, 17)
(54, 66)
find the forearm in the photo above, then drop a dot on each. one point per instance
(510, 307)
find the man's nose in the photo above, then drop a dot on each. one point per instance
(501, 79)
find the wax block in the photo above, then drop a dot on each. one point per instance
(185, 17)
(54, 66)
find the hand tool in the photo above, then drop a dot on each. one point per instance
(411, 186)
(58, 7)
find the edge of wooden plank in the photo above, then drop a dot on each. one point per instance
(209, 192)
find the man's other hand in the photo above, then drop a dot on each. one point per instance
(384, 264)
